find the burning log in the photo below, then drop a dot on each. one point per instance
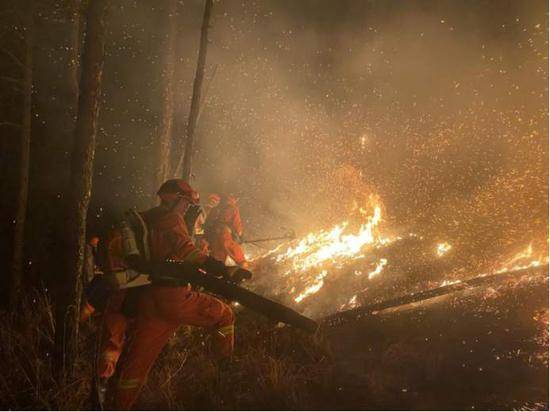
(357, 313)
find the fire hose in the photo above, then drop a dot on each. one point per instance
(189, 273)
(185, 272)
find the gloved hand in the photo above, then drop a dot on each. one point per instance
(215, 268)
(237, 238)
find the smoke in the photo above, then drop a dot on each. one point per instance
(438, 107)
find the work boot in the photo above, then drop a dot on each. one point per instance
(100, 394)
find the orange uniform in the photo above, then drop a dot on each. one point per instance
(222, 223)
(202, 243)
(160, 311)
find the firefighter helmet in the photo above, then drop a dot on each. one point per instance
(178, 189)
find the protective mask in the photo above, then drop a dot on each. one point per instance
(190, 216)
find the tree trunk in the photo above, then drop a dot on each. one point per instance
(73, 58)
(82, 158)
(165, 134)
(179, 164)
(22, 195)
(59, 182)
(196, 99)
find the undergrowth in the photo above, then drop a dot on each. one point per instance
(273, 367)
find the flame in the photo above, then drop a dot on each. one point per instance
(449, 282)
(527, 253)
(315, 249)
(363, 140)
(442, 248)
(310, 259)
(379, 268)
(523, 260)
(342, 259)
(353, 302)
(314, 288)
(520, 261)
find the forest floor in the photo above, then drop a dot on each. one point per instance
(483, 348)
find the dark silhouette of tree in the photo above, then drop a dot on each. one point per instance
(63, 133)
(24, 160)
(78, 197)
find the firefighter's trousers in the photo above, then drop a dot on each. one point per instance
(161, 311)
(223, 245)
(113, 335)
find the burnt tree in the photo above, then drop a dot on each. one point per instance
(60, 142)
(78, 196)
(196, 99)
(163, 143)
(24, 157)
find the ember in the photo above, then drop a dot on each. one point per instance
(339, 269)
(443, 248)
(322, 257)
(356, 191)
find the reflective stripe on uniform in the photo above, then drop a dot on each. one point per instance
(108, 355)
(226, 330)
(129, 383)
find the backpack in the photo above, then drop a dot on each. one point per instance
(129, 237)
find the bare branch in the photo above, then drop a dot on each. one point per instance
(18, 126)
(17, 84)
(15, 59)
(12, 80)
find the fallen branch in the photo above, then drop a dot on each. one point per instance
(364, 311)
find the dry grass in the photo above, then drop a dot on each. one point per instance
(452, 354)
(26, 381)
(273, 368)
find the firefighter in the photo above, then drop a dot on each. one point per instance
(223, 231)
(90, 268)
(166, 304)
(212, 202)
